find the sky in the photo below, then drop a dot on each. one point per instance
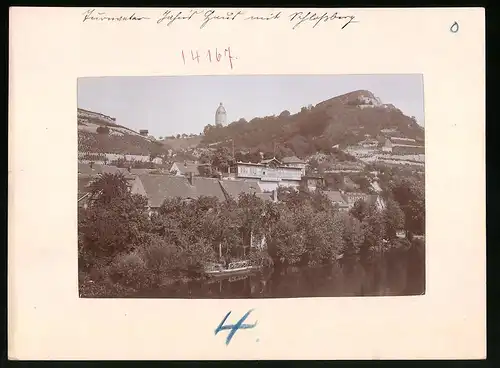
(186, 104)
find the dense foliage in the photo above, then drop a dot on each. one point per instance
(123, 248)
(122, 144)
(313, 129)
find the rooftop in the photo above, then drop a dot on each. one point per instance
(160, 187)
(292, 160)
(188, 167)
(233, 188)
(335, 196)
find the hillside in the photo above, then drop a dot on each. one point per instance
(99, 133)
(182, 143)
(342, 120)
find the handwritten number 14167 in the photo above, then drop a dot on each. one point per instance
(210, 56)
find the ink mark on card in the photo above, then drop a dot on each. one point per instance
(299, 18)
(208, 56)
(234, 328)
(93, 15)
(454, 27)
(169, 17)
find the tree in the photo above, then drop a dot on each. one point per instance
(102, 130)
(205, 158)
(410, 195)
(363, 182)
(394, 218)
(207, 129)
(181, 224)
(205, 171)
(360, 209)
(107, 186)
(286, 243)
(320, 201)
(113, 226)
(323, 235)
(373, 228)
(284, 113)
(178, 136)
(250, 211)
(222, 159)
(353, 236)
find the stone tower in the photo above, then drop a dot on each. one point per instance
(220, 115)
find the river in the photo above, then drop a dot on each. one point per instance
(392, 275)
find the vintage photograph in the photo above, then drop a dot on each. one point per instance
(275, 186)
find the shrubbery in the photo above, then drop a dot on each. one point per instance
(122, 248)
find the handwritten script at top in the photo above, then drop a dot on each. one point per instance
(204, 18)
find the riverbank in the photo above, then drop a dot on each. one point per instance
(397, 272)
(123, 246)
(390, 275)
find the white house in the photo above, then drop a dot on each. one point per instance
(270, 174)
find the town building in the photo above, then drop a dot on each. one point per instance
(312, 182)
(270, 174)
(337, 199)
(352, 197)
(144, 132)
(369, 143)
(158, 188)
(185, 168)
(92, 170)
(220, 116)
(294, 161)
(103, 157)
(233, 188)
(403, 146)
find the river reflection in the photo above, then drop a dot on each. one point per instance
(388, 276)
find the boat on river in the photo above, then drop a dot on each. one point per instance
(233, 269)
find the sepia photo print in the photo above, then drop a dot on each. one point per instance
(276, 186)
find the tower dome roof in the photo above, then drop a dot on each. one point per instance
(221, 109)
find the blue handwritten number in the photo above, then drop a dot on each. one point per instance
(233, 328)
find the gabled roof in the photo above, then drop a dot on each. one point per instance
(404, 141)
(86, 169)
(335, 196)
(160, 187)
(209, 187)
(110, 169)
(269, 160)
(254, 185)
(96, 169)
(187, 167)
(292, 160)
(139, 171)
(233, 188)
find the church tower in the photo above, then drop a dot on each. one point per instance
(220, 115)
